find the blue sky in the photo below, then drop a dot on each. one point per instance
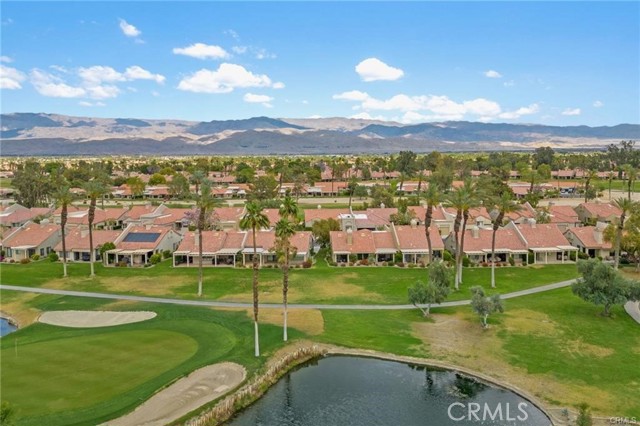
(557, 63)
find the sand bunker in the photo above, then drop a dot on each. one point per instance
(90, 319)
(185, 395)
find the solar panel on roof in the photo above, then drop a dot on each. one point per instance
(141, 237)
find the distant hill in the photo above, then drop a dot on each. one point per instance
(53, 134)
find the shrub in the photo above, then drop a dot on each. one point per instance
(333, 263)
(582, 255)
(391, 263)
(385, 263)
(35, 257)
(447, 256)
(25, 261)
(572, 256)
(512, 261)
(353, 258)
(411, 265)
(484, 264)
(307, 264)
(166, 254)
(397, 257)
(155, 258)
(400, 264)
(466, 262)
(350, 263)
(53, 256)
(530, 258)
(364, 262)
(12, 261)
(122, 264)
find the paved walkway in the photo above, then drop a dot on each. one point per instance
(633, 309)
(267, 305)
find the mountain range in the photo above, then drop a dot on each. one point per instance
(39, 134)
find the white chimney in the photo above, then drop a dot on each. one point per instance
(475, 231)
(84, 233)
(598, 232)
(414, 223)
(349, 236)
(382, 206)
(532, 222)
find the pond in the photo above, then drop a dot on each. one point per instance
(346, 390)
(6, 327)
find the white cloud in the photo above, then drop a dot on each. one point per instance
(263, 54)
(10, 78)
(354, 95)
(59, 68)
(49, 85)
(510, 115)
(492, 74)
(278, 85)
(202, 51)
(432, 107)
(103, 91)
(239, 49)
(90, 104)
(258, 99)
(138, 73)
(373, 69)
(509, 83)
(223, 80)
(5, 59)
(571, 111)
(598, 104)
(128, 29)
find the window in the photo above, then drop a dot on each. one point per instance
(42, 252)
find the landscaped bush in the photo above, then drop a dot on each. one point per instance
(411, 265)
(35, 257)
(572, 255)
(350, 263)
(155, 258)
(397, 257)
(400, 264)
(307, 264)
(512, 261)
(353, 258)
(582, 255)
(447, 256)
(484, 264)
(122, 264)
(385, 263)
(166, 254)
(530, 258)
(53, 256)
(466, 262)
(25, 261)
(364, 262)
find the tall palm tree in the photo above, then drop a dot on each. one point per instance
(610, 177)
(197, 177)
(94, 189)
(501, 207)
(254, 219)
(432, 196)
(63, 198)
(457, 200)
(285, 229)
(289, 209)
(205, 202)
(472, 200)
(631, 174)
(626, 205)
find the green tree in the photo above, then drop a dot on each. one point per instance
(205, 202)
(627, 206)
(544, 155)
(106, 247)
(157, 179)
(136, 185)
(603, 285)
(63, 198)
(435, 290)
(179, 186)
(406, 165)
(501, 207)
(94, 189)
(321, 230)
(630, 174)
(485, 305)
(263, 188)
(289, 209)
(32, 185)
(7, 414)
(381, 195)
(197, 177)
(584, 415)
(589, 192)
(254, 219)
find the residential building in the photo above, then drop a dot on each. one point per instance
(31, 238)
(590, 240)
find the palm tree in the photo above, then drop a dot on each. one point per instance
(289, 209)
(94, 189)
(456, 199)
(285, 229)
(63, 198)
(501, 207)
(197, 177)
(205, 203)
(591, 175)
(432, 197)
(610, 177)
(626, 205)
(472, 200)
(254, 219)
(631, 175)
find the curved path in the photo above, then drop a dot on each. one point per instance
(633, 309)
(268, 305)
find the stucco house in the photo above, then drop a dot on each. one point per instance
(590, 213)
(136, 244)
(29, 239)
(77, 243)
(590, 240)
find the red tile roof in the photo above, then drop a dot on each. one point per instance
(30, 235)
(412, 239)
(362, 242)
(78, 239)
(587, 236)
(542, 235)
(131, 245)
(506, 239)
(601, 210)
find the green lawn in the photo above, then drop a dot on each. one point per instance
(320, 284)
(65, 376)
(5, 182)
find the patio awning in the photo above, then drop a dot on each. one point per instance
(228, 251)
(568, 248)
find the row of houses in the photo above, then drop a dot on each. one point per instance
(140, 231)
